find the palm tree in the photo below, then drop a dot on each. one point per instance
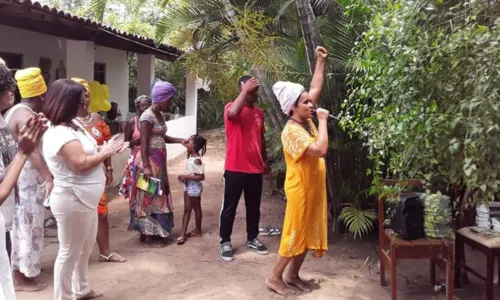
(223, 38)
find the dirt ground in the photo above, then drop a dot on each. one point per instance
(195, 271)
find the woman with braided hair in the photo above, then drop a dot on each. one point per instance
(193, 187)
(133, 136)
(153, 212)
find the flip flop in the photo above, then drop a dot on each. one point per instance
(269, 230)
(181, 240)
(194, 234)
(108, 258)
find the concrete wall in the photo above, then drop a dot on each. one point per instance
(79, 59)
(116, 75)
(183, 127)
(33, 46)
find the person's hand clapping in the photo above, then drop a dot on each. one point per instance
(322, 114)
(251, 86)
(30, 134)
(114, 146)
(321, 52)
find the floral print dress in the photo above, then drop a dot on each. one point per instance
(7, 152)
(27, 229)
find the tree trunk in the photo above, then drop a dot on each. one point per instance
(271, 98)
(310, 30)
(312, 39)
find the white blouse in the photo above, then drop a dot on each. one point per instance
(88, 186)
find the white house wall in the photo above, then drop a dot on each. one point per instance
(116, 75)
(32, 46)
(183, 127)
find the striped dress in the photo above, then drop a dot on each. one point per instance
(153, 214)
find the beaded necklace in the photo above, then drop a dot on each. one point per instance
(306, 125)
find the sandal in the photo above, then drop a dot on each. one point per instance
(108, 258)
(194, 234)
(91, 295)
(270, 230)
(181, 240)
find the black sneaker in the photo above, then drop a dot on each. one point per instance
(256, 246)
(226, 251)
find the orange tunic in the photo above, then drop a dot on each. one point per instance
(306, 219)
(101, 133)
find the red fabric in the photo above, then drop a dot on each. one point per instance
(244, 140)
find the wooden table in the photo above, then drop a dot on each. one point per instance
(490, 247)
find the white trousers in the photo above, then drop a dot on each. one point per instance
(76, 232)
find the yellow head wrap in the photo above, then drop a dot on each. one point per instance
(82, 82)
(30, 82)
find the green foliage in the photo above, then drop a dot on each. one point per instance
(425, 91)
(225, 39)
(358, 214)
(210, 111)
(275, 150)
(357, 221)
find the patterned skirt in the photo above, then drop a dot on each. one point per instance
(27, 229)
(151, 214)
(126, 185)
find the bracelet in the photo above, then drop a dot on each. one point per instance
(109, 168)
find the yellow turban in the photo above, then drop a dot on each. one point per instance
(30, 82)
(82, 82)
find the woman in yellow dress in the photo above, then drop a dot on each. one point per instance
(304, 146)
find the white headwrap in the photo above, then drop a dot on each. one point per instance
(287, 93)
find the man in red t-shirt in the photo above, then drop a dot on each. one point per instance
(246, 162)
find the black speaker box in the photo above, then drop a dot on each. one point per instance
(408, 218)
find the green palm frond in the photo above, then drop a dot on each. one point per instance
(358, 222)
(191, 14)
(98, 7)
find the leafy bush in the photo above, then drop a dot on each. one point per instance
(425, 91)
(210, 111)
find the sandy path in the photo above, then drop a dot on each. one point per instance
(195, 271)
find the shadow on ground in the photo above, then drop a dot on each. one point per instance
(195, 271)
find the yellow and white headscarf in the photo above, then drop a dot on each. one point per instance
(30, 82)
(82, 82)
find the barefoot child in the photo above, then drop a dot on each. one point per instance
(193, 186)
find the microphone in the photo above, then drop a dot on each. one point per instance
(331, 117)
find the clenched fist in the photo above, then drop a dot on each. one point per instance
(321, 52)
